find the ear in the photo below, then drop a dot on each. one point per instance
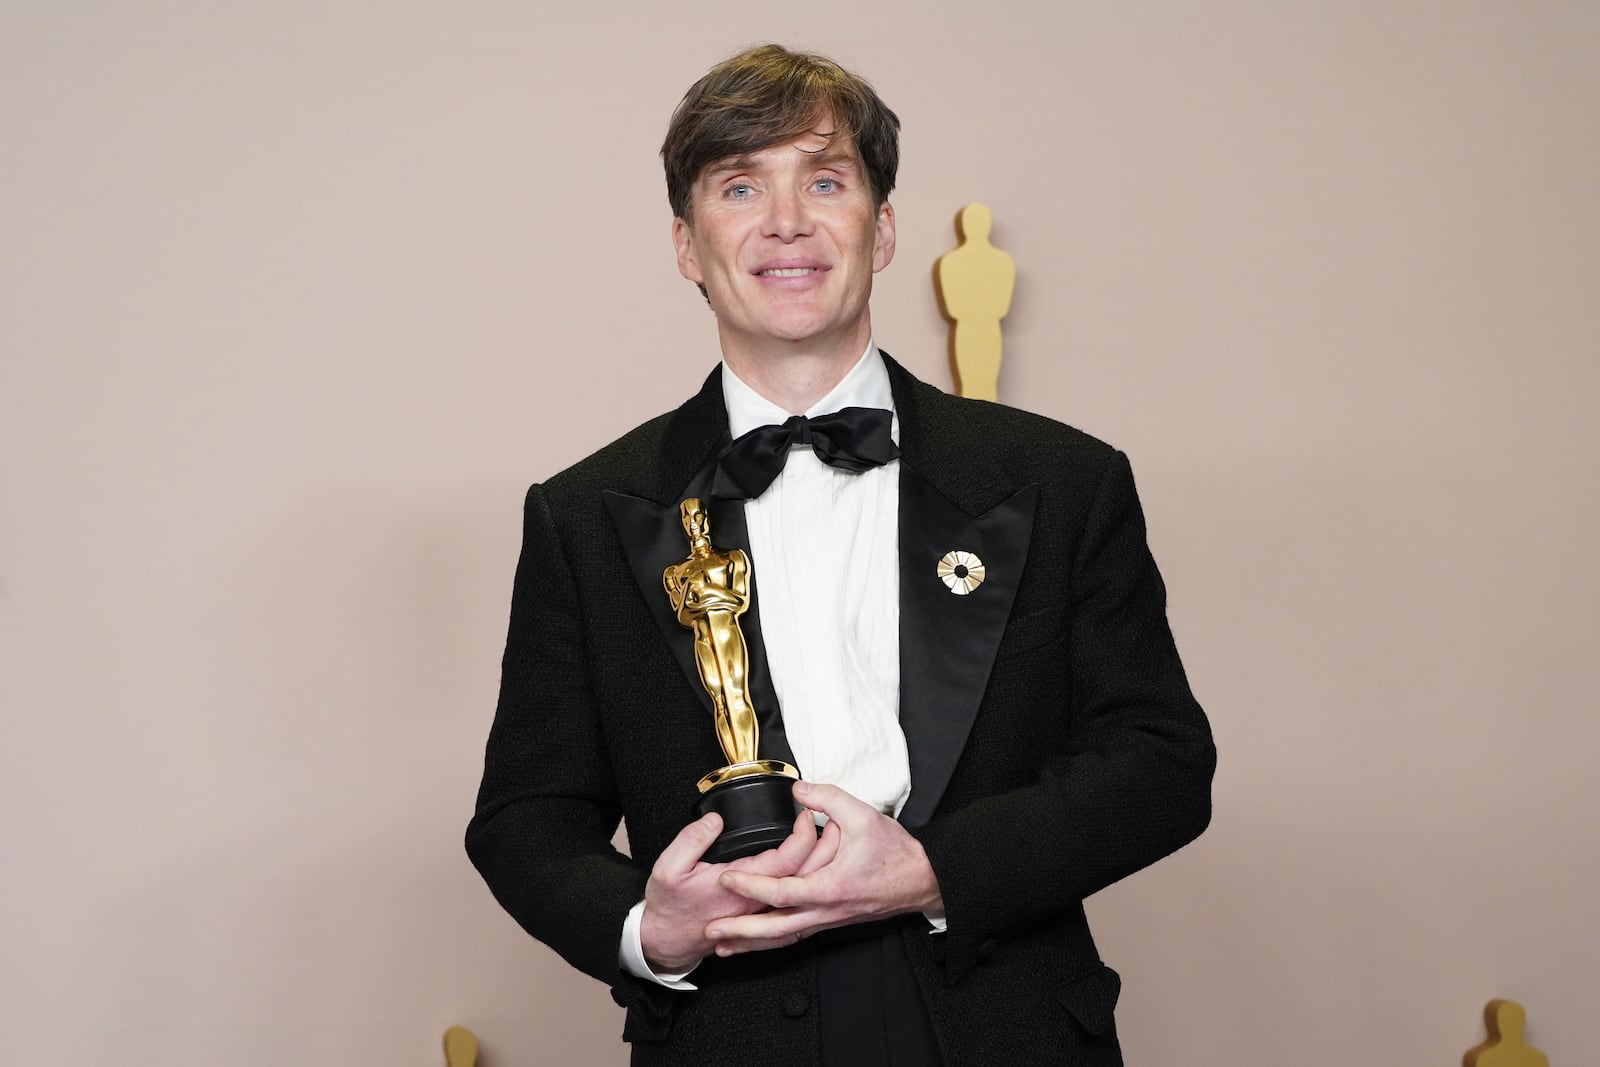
(683, 244)
(883, 238)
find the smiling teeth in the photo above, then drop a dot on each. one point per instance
(787, 272)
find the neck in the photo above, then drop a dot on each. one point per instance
(796, 375)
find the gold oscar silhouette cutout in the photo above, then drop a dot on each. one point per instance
(709, 591)
(460, 1047)
(975, 282)
(1504, 1019)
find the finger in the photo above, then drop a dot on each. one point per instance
(768, 928)
(787, 857)
(774, 892)
(684, 852)
(797, 847)
(835, 803)
(743, 945)
(827, 847)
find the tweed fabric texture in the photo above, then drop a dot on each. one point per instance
(1087, 759)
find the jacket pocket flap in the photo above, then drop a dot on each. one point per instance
(1092, 998)
(1030, 632)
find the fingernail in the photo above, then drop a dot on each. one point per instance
(802, 787)
(715, 935)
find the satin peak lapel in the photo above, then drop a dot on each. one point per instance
(653, 539)
(948, 640)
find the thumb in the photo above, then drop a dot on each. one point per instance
(833, 802)
(680, 857)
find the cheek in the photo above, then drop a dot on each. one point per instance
(717, 245)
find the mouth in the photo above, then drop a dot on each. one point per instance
(787, 272)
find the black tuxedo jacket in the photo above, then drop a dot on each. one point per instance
(1054, 743)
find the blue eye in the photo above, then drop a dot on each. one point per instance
(738, 192)
(826, 185)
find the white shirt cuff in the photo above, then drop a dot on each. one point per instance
(939, 925)
(631, 954)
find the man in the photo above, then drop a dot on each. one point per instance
(960, 640)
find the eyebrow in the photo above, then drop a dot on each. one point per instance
(837, 158)
(724, 166)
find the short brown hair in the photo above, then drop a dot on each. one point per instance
(768, 95)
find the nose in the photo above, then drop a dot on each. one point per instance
(788, 215)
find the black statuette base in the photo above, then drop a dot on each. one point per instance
(758, 813)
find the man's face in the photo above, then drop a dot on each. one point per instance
(786, 241)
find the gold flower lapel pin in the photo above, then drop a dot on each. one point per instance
(961, 572)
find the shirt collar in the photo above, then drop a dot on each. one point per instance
(865, 386)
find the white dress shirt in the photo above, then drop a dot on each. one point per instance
(824, 552)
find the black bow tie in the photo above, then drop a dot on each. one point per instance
(852, 439)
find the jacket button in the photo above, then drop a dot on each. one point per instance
(796, 1003)
(988, 948)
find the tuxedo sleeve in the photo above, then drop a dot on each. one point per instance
(1132, 781)
(547, 808)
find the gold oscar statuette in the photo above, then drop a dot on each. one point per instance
(709, 591)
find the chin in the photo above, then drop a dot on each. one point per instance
(801, 326)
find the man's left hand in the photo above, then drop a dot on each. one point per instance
(865, 867)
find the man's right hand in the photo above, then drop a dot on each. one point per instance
(684, 894)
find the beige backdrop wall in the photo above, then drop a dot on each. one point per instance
(295, 299)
